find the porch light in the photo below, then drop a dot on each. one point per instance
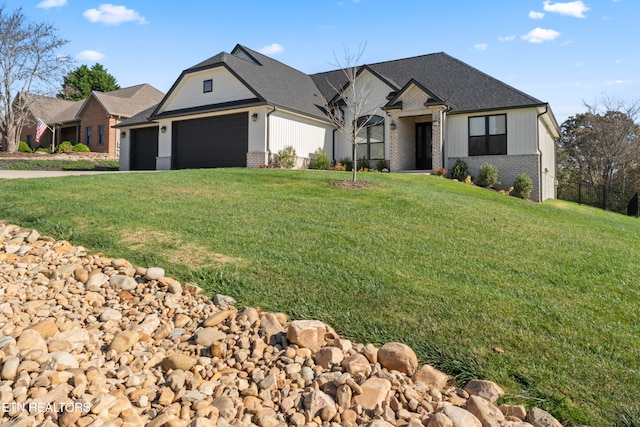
(254, 116)
(163, 129)
(123, 134)
(393, 126)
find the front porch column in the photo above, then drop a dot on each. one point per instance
(437, 131)
(394, 158)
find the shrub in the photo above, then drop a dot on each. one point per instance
(65, 147)
(381, 165)
(468, 180)
(459, 170)
(286, 158)
(23, 147)
(488, 176)
(522, 186)
(320, 160)
(44, 150)
(440, 172)
(339, 167)
(81, 148)
(363, 164)
(347, 163)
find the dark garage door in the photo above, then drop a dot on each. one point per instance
(144, 148)
(212, 142)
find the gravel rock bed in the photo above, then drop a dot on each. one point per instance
(87, 340)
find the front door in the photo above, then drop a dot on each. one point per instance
(424, 156)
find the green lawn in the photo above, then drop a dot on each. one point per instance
(449, 269)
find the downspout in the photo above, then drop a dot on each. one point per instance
(546, 110)
(269, 135)
(443, 130)
(333, 145)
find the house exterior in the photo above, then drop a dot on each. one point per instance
(90, 121)
(237, 109)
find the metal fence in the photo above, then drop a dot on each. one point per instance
(600, 196)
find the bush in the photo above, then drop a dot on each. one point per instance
(44, 150)
(286, 158)
(440, 172)
(23, 147)
(363, 164)
(347, 163)
(320, 160)
(81, 148)
(488, 176)
(460, 170)
(522, 186)
(381, 165)
(65, 147)
(339, 167)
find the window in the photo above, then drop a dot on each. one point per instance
(488, 135)
(100, 134)
(207, 86)
(370, 139)
(89, 136)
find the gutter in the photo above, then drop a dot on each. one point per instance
(269, 133)
(546, 110)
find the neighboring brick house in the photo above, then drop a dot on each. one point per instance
(89, 121)
(422, 113)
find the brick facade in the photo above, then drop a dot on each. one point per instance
(509, 167)
(94, 117)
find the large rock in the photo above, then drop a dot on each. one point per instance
(124, 340)
(431, 377)
(271, 327)
(485, 389)
(320, 404)
(398, 357)
(374, 392)
(30, 339)
(46, 328)
(307, 334)
(207, 336)
(329, 356)
(539, 418)
(488, 414)
(178, 361)
(461, 417)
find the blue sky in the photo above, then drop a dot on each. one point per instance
(565, 53)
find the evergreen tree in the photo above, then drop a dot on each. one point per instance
(79, 83)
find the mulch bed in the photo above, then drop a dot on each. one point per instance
(348, 184)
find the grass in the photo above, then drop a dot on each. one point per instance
(449, 269)
(39, 164)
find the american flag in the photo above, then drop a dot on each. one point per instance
(42, 126)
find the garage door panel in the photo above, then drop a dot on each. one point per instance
(211, 142)
(144, 148)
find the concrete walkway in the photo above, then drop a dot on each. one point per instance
(11, 174)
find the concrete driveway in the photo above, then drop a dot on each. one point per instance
(11, 174)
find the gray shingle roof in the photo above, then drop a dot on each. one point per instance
(461, 86)
(129, 101)
(271, 81)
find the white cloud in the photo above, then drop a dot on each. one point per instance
(507, 38)
(481, 46)
(618, 82)
(271, 49)
(48, 4)
(110, 14)
(572, 8)
(540, 35)
(90, 55)
(536, 15)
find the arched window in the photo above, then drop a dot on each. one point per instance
(370, 139)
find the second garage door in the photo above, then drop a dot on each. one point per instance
(144, 148)
(211, 142)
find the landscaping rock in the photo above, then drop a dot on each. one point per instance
(128, 346)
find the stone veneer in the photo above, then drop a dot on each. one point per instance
(257, 159)
(509, 167)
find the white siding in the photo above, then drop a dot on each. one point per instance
(548, 160)
(305, 135)
(521, 132)
(189, 92)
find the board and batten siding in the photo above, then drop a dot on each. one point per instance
(548, 162)
(189, 92)
(304, 135)
(521, 132)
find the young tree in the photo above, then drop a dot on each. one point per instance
(347, 111)
(29, 63)
(79, 83)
